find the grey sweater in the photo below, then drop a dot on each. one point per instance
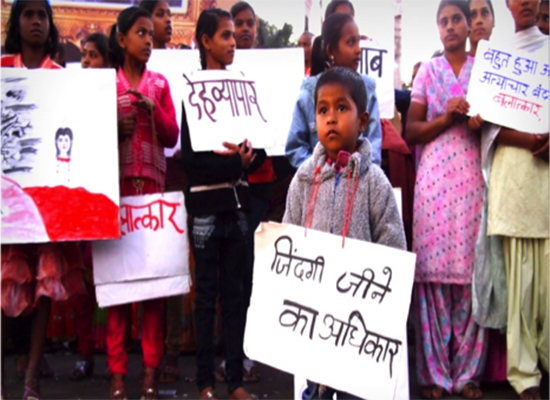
(375, 217)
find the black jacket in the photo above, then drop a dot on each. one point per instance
(214, 183)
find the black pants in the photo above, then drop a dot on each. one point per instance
(219, 248)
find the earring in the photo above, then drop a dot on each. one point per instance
(331, 60)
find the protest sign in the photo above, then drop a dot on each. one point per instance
(510, 87)
(277, 72)
(377, 62)
(151, 260)
(53, 187)
(225, 106)
(336, 315)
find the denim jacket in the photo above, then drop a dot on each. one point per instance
(302, 137)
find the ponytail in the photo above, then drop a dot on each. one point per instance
(319, 61)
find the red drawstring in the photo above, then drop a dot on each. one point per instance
(315, 185)
(349, 206)
(312, 199)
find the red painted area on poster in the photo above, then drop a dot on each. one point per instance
(75, 213)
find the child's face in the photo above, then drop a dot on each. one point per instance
(91, 57)
(162, 22)
(338, 120)
(138, 42)
(347, 53)
(245, 29)
(34, 25)
(220, 48)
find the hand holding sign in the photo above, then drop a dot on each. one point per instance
(475, 123)
(541, 147)
(245, 150)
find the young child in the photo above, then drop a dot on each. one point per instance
(147, 124)
(340, 190)
(34, 274)
(217, 200)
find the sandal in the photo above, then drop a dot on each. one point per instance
(532, 393)
(207, 394)
(471, 391)
(82, 369)
(170, 373)
(32, 386)
(117, 391)
(149, 391)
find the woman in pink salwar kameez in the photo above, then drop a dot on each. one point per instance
(447, 209)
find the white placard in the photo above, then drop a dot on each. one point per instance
(151, 259)
(56, 125)
(225, 106)
(278, 72)
(333, 314)
(377, 61)
(510, 87)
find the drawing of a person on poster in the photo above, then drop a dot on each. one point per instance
(64, 145)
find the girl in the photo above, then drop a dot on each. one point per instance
(162, 21)
(169, 372)
(447, 206)
(146, 125)
(95, 51)
(260, 178)
(342, 168)
(95, 54)
(482, 22)
(338, 46)
(216, 200)
(33, 275)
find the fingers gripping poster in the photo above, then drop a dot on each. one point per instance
(59, 156)
(151, 260)
(335, 315)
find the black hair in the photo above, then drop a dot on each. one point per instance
(124, 22)
(13, 36)
(334, 4)
(330, 35)
(207, 24)
(489, 3)
(101, 43)
(64, 132)
(149, 5)
(463, 5)
(239, 7)
(349, 80)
